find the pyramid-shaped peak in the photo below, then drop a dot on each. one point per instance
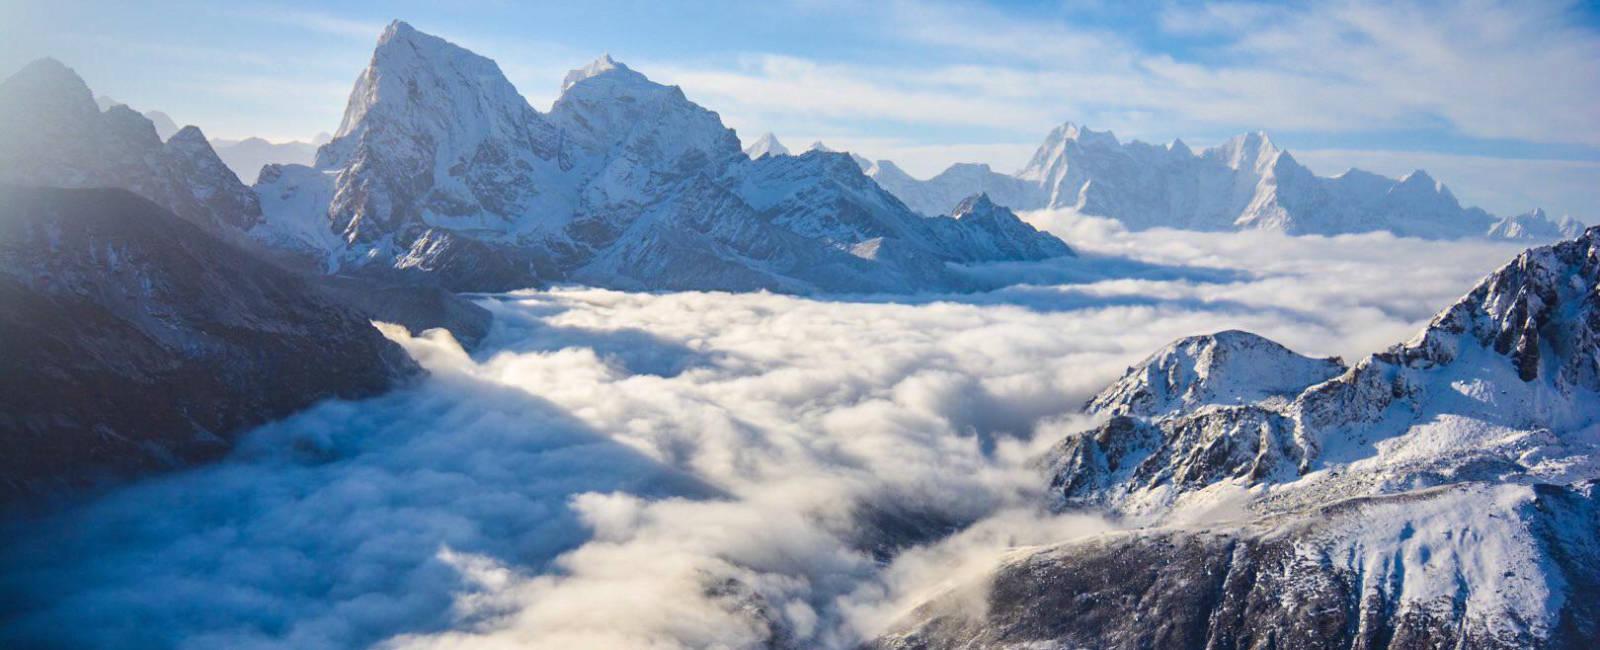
(1419, 178)
(976, 204)
(49, 80)
(1254, 141)
(766, 145)
(595, 68)
(397, 29)
(190, 133)
(46, 68)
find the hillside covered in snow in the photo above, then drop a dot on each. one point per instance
(1439, 494)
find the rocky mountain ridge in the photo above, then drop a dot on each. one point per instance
(1245, 183)
(1439, 494)
(54, 135)
(441, 171)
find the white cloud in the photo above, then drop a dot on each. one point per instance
(1524, 71)
(681, 470)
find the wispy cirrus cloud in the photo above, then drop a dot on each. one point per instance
(315, 21)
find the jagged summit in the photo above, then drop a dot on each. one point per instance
(53, 133)
(766, 145)
(1229, 368)
(976, 204)
(1246, 152)
(595, 68)
(1246, 182)
(396, 29)
(49, 84)
(441, 170)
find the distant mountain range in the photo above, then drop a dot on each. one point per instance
(245, 157)
(1245, 183)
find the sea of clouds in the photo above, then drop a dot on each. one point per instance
(687, 470)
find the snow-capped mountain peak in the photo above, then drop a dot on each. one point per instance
(1247, 151)
(1228, 367)
(766, 145)
(598, 67)
(442, 170)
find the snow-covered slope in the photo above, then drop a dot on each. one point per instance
(441, 172)
(1439, 494)
(1244, 183)
(52, 133)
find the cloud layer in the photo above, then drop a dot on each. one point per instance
(622, 470)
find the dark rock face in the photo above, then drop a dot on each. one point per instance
(417, 308)
(133, 340)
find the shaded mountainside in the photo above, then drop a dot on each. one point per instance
(53, 134)
(1244, 183)
(1439, 494)
(134, 340)
(441, 170)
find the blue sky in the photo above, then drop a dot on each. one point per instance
(1497, 99)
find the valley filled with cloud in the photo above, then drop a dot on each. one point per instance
(664, 470)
